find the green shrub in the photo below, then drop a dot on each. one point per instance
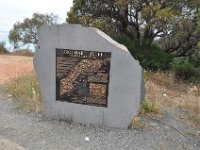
(131, 44)
(185, 70)
(155, 59)
(3, 49)
(151, 57)
(195, 58)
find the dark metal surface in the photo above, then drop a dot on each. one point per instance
(82, 76)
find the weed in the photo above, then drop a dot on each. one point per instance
(25, 90)
(136, 123)
(191, 134)
(150, 107)
(195, 119)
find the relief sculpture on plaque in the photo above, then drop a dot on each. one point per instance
(82, 77)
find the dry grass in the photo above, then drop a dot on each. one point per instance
(136, 122)
(22, 52)
(150, 107)
(25, 90)
(164, 90)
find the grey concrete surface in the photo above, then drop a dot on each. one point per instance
(126, 87)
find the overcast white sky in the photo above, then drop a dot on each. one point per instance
(12, 11)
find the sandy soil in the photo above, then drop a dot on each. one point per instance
(13, 66)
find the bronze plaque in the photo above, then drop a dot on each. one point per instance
(82, 76)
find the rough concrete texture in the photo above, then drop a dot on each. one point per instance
(126, 87)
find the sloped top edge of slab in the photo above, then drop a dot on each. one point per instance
(99, 32)
(109, 39)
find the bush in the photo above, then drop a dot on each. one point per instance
(130, 44)
(185, 70)
(151, 57)
(3, 49)
(154, 58)
(195, 57)
(23, 52)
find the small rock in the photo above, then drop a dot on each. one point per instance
(87, 139)
(198, 132)
(165, 95)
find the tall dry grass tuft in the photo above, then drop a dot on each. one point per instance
(151, 104)
(25, 90)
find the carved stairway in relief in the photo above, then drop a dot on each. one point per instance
(86, 65)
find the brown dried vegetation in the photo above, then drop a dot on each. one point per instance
(163, 90)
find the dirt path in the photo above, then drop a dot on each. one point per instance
(13, 66)
(33, 131)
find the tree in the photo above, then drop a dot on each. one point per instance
(27, 31)
(14, 35)
(3, 49)
(143, 21)
(183, 39)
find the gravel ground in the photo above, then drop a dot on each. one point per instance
(34, 132)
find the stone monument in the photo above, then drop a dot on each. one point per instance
(87, 77)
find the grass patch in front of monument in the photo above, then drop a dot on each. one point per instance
(136, 123)
(25, 90)
(150, 107)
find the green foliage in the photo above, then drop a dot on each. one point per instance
(72, 18)
(195, 58)
(14, 36)
(154, 58)
(150, 56)
(137, 24)
(3, 49)
(183, 39)
(198, 21)
(106, 26)
(186, 70)
(150, 107)
(27, 31)
(141, 20)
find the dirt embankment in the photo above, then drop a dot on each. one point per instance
(13, 66)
